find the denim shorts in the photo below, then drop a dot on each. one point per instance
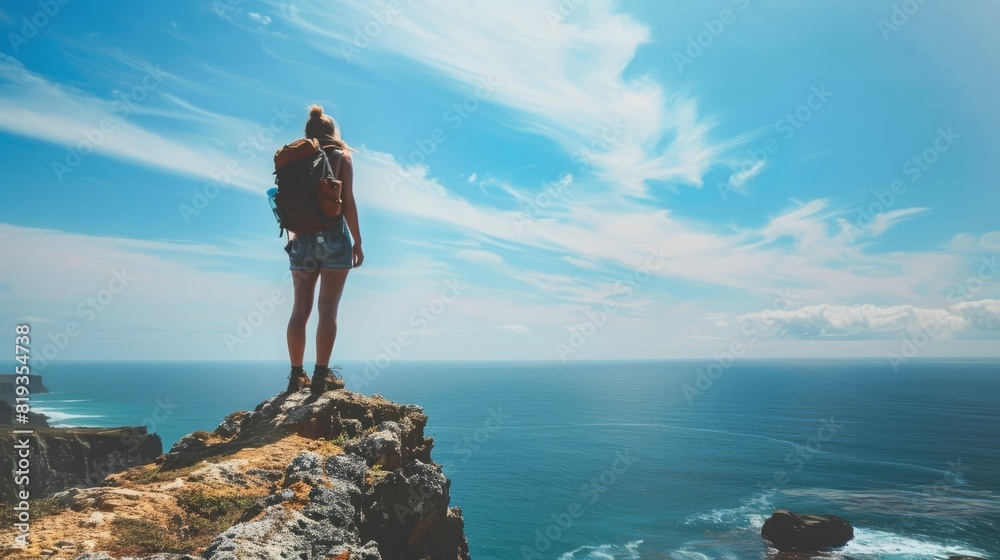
(330, 248)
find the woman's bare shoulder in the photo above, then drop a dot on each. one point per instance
(348, 160)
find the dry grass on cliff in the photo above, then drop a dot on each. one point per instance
(145, 509)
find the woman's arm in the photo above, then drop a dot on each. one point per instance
(350, 205)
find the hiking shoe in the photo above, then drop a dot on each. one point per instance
(326, 379)
(297, 380)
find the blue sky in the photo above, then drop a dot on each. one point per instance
(583, 179)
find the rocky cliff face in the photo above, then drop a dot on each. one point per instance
(340, 476)
(8, 416)
(7, 386)
(63, 458)
(8, 398)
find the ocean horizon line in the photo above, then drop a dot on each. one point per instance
(928, 359)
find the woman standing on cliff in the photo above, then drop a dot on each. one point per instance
(327, 257)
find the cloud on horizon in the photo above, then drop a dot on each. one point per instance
(979, 318)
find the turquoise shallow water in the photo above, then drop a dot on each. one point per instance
(612, 460)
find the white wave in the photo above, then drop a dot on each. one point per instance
(59, 416)
(685, 554)
(750, 515)
(65, 400)
(883, 544)
(629, 551)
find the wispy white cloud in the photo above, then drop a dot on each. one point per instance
(585, 263)
(971, 244)
(515, 328)
(717, 319)
(800, 247)
(38, 108)
(886, 220)
(263, 20)
(879, 224)
(479, 256)
(738, 180)
(565, 80)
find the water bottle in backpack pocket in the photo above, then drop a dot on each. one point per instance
(271, 192)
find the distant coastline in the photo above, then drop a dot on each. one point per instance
(7, 386)
(8, 398)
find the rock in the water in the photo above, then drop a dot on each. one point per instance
(786, 530)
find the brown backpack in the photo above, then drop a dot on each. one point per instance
(309, 194)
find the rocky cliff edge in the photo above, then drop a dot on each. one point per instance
(339, 476)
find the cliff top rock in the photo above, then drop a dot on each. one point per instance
(339, 475)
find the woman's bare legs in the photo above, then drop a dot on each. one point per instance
(331, 287)
(304, 284)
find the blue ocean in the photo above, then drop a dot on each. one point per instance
(646, 460)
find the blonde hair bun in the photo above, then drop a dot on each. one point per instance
(316, 112)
